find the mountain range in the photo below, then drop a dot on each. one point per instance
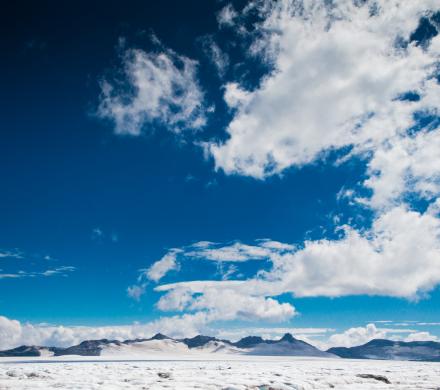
(251, 345)
(391, 350)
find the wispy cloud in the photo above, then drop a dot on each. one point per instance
(12, 254)
(227, 16)
(136, 291)
(216, 55)
(62, 270)
(99, 235)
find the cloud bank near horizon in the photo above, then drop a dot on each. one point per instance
(13, 333)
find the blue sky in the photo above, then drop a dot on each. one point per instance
(220, 167)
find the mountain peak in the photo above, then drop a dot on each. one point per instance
(159, 336)
(288, 337)
(198, 341)
(249, 341)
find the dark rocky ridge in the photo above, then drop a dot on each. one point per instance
(391, 350)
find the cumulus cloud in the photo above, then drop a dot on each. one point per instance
(158, 88)
(401, 245)
(225, 304)
(338, 74)
(421, 336)
(405, 165)
(357, 336)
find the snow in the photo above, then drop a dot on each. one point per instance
(44, 352)
(145, 348)
(170, 346)
(218, 347)
(204, 371)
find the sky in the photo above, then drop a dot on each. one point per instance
(217, 167)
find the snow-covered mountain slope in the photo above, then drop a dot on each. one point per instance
(215, 346)
(143, 348)
(392, 350)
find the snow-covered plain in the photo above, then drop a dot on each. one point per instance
(227, 372)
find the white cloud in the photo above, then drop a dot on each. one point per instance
(361, 335)
(62, 270)
(236, 252)
(405, 165)
(177, 299)
(356, 336)
(337, 74)
(9, 332)
(226, 16)
(229, 305)
(158, 88)
(161, 267)
(429, 323)
(421, 336)
(228, 272)
(223, 301)
(136, 291)
(401, 245)
(217, 56)
(97, 233)
(10, 275)
(24, 271)
(13, 254)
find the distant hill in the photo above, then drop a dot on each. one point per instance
(26, 350)
(286, 346)
(391, 350)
